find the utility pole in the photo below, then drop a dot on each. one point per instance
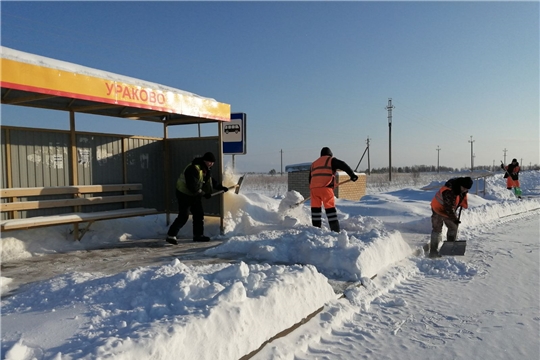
(368, 162)
(472, 156)
(504, 152)
(366, 150)
(281, 162)
(389, 107)
(438, 151)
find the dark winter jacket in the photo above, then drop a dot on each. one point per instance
(512, 170)
(197, 176)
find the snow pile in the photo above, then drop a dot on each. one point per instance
(153, 312)
(281, 275)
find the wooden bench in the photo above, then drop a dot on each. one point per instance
(16, 200)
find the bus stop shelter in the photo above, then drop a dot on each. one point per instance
(35, 81)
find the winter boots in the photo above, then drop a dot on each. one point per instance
(334, 226)
(434, 244)
(201, 238)
(333, 222)
(331, 214)
(316, 216)
(172, 240)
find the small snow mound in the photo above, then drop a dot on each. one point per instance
(290, 201)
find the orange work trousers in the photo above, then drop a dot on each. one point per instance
(511, 183)
(323, 196)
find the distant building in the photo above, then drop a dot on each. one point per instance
(298, 180)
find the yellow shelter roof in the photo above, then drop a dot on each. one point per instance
(37, 81)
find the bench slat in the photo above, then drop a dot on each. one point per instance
(59, 190)
(72, 218)
(46, 204)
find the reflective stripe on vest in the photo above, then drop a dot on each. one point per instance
(321, 172)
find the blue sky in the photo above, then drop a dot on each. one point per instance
(313, 74)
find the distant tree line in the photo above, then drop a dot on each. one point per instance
(433, 168)
(428, 168)
(413, 169)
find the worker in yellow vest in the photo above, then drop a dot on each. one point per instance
(194, 183)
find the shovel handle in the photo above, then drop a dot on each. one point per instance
(231, 187)
(222, 191)
(309, 197)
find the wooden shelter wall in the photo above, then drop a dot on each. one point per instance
(145, 164)
(41, 158)
(99, 159)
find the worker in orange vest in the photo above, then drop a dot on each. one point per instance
(321, 186)
(444, 205)
(512, 177)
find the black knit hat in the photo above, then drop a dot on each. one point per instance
(209, 157)
(325, 151)
(466, 182)
(514, 160)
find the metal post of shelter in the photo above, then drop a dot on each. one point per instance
(166, 170)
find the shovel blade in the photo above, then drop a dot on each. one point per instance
(451, 248)
(237, 190)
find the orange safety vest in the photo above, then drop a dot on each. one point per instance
(437, 204)
(321, 172)
(515, 170)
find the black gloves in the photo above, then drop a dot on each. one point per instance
(354, 178)
(224, 188)
(502, 166)
(207, 195)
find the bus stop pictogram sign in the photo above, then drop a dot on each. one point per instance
(234, 135)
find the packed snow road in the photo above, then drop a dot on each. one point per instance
(108, 260)
(484, 305)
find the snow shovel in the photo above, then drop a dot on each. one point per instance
(237, 186)
(451, 248)
(506, 173)
(309, 197)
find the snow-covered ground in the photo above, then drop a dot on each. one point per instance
(367, 292)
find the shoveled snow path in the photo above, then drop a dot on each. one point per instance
(436, 313)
